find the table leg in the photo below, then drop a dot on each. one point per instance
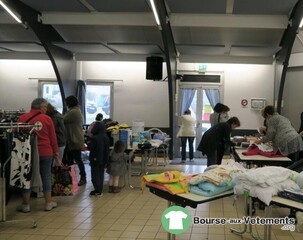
(267, 227)
(170, 236)
(235, 231)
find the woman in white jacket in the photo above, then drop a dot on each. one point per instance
(187, 133)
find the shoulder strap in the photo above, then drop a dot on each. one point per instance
(219, 115)
(32, 117)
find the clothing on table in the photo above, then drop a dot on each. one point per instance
(98, 146)
(283, 136)
(213, 142)
(187, 133)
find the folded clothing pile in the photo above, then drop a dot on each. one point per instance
(266, 182)
(215, 180)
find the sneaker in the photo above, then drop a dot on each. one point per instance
(183, 161)
(82, 181)
(96, 194)
(191, 160)
(50, 206)
(24, 208)
(92, 193)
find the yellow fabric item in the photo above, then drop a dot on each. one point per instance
(173, 181)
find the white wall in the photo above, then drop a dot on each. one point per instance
(242, 81)
(17, 91)
(136, 97)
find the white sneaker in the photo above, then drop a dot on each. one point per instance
(25, 208)
(50, 206)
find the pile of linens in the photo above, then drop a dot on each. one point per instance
(215, 179)
(266, 182)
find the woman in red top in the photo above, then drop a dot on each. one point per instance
(47, 148)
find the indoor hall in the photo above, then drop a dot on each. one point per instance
(130, 214)
(254, 50)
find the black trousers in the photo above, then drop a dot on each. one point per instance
(190, 141)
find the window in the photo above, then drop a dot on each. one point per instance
(98, 100)
(51, 92)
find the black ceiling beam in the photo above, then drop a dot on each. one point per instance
(287, 42)
(170, 58)
(61, 59)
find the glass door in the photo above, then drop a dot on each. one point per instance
(200, 110)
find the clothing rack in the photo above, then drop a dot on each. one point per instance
(11, 126)
(12, 115)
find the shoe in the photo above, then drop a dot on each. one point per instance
(50, 206)
(96, 194)
(191, 160)
(25, 208)
(183, 161)
(116, 190)
(110, 189)
(82, 181)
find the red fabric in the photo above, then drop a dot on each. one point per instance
(47, 140)
(254, 150)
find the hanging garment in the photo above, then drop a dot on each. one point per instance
(21, 162)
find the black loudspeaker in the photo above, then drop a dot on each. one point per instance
(154, 67)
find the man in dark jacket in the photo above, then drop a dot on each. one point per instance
(98, 146)
(214, 140)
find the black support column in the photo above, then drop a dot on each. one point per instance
(284, 54)
(170, 58)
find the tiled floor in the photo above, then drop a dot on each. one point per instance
(130, 214)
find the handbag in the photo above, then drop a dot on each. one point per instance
(64, 180)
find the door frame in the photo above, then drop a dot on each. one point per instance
(199, 87)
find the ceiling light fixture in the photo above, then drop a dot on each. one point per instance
(14, 15)
(155, 12)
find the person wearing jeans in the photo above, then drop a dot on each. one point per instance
(47, 148)
(187, 133)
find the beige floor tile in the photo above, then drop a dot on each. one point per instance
(129, 234)
(130, 214)
(147, 235)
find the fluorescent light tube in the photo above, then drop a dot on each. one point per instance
(301, 23)
(155, 12)
(10, 12)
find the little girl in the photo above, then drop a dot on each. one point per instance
(117, 166)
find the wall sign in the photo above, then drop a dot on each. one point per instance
(244, 102)
(258, 103)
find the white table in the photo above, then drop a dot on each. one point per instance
(185, 199)
(259, 159)
(281, 202)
